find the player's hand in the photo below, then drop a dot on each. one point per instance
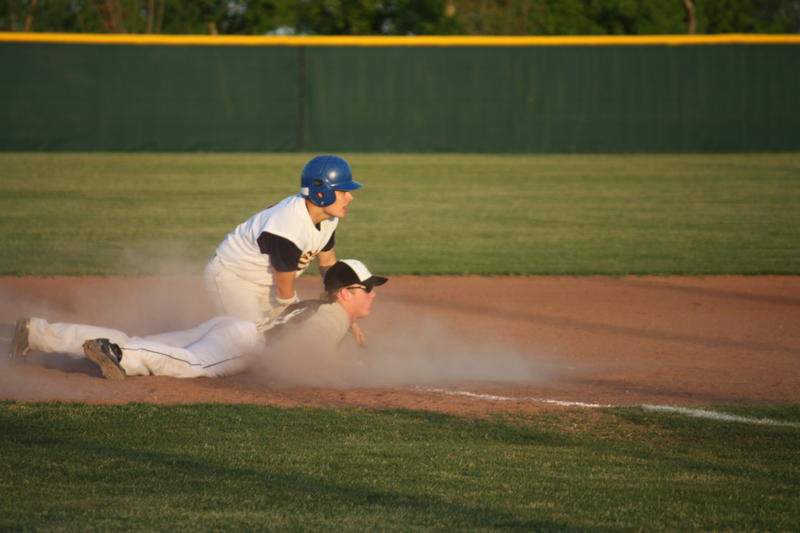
(359, 335)
(275, 312)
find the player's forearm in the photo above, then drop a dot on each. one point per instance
(284, 285)
(326, 260)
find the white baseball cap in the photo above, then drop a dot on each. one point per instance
(348, 272)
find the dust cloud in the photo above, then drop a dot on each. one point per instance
(166, 300)
(405, 348)
(408, 344)
(134, 305)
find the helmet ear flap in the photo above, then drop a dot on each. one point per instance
(321, 194)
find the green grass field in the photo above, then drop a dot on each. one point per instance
(73, 467)
(693, 214)
(77, 467)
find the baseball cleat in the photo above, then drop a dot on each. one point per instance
(19, 344)
(107, 356)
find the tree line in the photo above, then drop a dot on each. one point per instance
(402, 17)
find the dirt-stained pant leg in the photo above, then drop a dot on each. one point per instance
(185, 337)
(224, 347)
(61, 337)
(235, 296)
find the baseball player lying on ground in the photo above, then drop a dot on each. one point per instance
(253, 271)
(221, 346)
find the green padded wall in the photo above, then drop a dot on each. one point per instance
(632, 98)
(554, 99)
(170, 98)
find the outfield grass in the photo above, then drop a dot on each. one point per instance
(694, 214)
(236, 467)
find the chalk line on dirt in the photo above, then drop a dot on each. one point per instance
(696, 413)
(508, 398)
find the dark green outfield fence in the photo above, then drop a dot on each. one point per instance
(299, 95)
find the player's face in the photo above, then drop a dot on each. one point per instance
(362, 300)
(338, 208)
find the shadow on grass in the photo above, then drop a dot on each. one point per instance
(222, 489)
(477, 429)
(55, 459)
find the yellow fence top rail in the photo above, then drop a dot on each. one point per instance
(375, 40)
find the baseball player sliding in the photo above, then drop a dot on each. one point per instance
(221, 346)
(252, 275)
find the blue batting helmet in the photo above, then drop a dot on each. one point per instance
(323, 175)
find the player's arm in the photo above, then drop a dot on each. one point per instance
(325, 260)
(284, 284)
(284, 256)
(327, 257)
(361, 339)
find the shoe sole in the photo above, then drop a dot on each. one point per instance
(20, 346)
(108, 367)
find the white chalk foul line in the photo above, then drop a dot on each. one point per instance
(714, 415)
(697, 413)
(507, 398)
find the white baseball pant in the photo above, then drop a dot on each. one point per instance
(235, 296)
(218, 347)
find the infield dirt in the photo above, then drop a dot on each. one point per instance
(600, 340)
